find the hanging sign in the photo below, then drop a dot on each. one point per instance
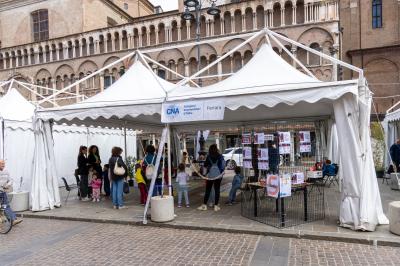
(285, 186)
(259, 138)
(284, 143)
(192, 111)
(272, 186)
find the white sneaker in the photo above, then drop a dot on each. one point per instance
(216, 208)
(115, 207)
(85, 199)
(94, 200)
(98, 200)
(122, 207)
(203, 207)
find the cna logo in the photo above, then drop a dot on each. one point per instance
(172, 110)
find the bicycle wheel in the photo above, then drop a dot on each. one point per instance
(5, 222)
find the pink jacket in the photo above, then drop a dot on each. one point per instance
(96, 183)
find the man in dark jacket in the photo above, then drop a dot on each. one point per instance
(395, 154)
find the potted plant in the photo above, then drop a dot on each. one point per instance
(380, 171)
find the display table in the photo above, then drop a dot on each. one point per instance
(162, 209)
(306, 204)
(19, 201)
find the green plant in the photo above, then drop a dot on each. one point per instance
(130, 164)
(377, 131)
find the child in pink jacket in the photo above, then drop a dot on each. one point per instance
(96, 186)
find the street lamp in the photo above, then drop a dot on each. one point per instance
(187, 15)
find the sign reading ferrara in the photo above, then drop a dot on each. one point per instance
(192, 111)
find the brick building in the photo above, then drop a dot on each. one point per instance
(70, 49)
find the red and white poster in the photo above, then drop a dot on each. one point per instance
(305, 141)
(273, 186)
(246, 138)
(284, 143)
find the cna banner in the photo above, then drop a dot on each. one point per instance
(192, 111)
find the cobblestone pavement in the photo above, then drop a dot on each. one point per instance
(55, 242)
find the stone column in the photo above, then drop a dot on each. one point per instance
(188, 30)
(219, 69)
(266, 19)
(305, 13)
(271, 18)
(96, 47)
(148, 37)
(231, 58)
(102, 82)
(233, 24)
(73, 51)
(243, 22)
(254, 21)
(157, 31)
(179, 29)
(187, 70)
(294, 53)
(294, 16)
(282, 16)
(211, 27)
(81, 49)
(334, 54)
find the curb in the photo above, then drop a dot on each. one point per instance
(298, 234)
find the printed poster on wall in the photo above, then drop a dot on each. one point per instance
(246, 138)
(285, 186)
(297, 178)
(263, 154)
(247, 164)
(259, 138)
(305, 141)
(247, 153)
(273, 186)
(263, 165)
(284, 143)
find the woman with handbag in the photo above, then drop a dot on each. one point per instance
(118, 172)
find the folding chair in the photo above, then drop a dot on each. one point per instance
(68, 188)
(330, 179)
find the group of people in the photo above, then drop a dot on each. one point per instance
(94, 177)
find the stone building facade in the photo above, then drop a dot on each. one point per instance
(59, 61)
(371, 40)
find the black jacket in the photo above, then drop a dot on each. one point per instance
(83, 168)
(112, 162)
(395, 153)
(92, 163)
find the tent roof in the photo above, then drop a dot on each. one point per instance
(393, 116)
(138, 92)
(266, 72)
(13, 106)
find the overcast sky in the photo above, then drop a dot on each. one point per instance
(166, 4)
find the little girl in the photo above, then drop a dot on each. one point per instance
(96, 186)
(141, 184)
(182, 179)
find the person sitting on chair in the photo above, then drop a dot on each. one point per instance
(5, 187)
(328, 169)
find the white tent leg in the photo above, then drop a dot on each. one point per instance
(2, 134)
(125, 146)
(169, 156)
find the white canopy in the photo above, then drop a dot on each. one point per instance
(13, 106)
(139, 92)
(266, 88)
(391, 125)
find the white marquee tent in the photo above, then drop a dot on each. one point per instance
(391, 126)
(267, 88)
(17, 143)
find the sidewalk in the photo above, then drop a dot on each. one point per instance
(228, 219)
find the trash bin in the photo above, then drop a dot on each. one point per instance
(19, 200)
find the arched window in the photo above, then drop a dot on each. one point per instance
(40, 25)
(376, 14)
(314, 60)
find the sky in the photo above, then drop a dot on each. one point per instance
(166, 4)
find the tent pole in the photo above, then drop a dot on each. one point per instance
(2, 151)
(125, 146)
(169, 156)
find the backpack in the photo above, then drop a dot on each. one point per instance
(148, 168)
(214, 169)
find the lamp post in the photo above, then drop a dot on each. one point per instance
(187, 15)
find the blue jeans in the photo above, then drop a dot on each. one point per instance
(232, 193)
(183, 189)
(117, 190)
(157, 187)
(8, 210)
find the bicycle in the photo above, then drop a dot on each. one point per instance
(6, 222)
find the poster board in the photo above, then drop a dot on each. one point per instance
(305, 141)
